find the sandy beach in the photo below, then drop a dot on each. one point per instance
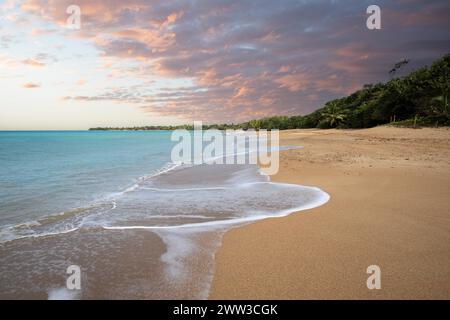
(389, 207)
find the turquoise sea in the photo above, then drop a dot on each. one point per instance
(113, 203)
(45, 173)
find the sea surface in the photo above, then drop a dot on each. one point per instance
(113, 203)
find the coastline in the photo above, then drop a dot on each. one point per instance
(389, 207)
(155, 247)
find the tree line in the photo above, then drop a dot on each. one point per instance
(418, 99)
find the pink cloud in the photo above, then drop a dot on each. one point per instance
(31, 85)
(33, 63)
(284, 58)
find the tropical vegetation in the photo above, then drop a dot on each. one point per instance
(418, 99)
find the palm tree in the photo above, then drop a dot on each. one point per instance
(332, 115)
(255, 124)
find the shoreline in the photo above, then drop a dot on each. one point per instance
(388, 207)
(171, 259)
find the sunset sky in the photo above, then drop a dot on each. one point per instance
(142, 62)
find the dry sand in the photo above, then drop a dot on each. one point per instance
(389, 207)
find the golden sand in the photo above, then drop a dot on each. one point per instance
(389, 206)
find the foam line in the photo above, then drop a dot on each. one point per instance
(322, 199)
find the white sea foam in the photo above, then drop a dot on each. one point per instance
(321, 199)
(183, 238)
(63, 294)
(203, 186)
(183, 205)
(190, 251)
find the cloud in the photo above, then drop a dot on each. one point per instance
(40, 32)
(292, 82)
(5, 41)
(250, 58)
(31, 85)
(33, 63)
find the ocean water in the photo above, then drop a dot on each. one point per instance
(112, 202)
(45, 174)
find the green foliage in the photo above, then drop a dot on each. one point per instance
(424, 93)
(421, 98)
(428, 121)
(332, 115)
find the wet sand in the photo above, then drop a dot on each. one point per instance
(389, 207)
(114, 264)
(157, 240)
